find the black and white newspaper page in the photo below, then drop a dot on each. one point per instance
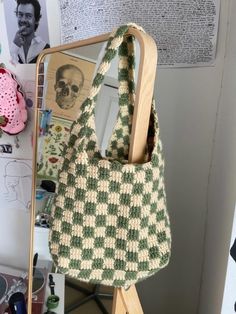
(185, 31)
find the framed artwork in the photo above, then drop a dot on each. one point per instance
(69, 79)
(51, 146)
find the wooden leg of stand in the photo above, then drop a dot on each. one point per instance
(126, 301)
(118, 306)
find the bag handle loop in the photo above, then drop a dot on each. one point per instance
(144, 89)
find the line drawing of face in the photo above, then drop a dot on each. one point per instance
(18, 186)
(69, 82)
(26, 19)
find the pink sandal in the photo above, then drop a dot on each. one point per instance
(12, 103)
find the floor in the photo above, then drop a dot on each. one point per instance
(72, 296)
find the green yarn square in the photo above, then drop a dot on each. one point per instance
(160, 215)
(61, 189)
(66, 227)
(155, 185)
(100, 221)
(90, 208)
(130, 275)
(143, 266)
(64, 251)
(149, 175)
(84, 274)
(97, 263)
(137, 188)
(144, 222)
(99, 242)
(77, 218)
(103, 173)
(71, 179)
(76, 242)
(91, 145)
(151, 230)
(58, 213)
(108, 274)
(92, 184)
(121, 244)
(109, 252)
(102, 197)
(114, 186)
(153, 252)
(80, 194)
(69, 203)
(164, 259)
(143, 244)
(112, 209)
(153, 208)
(161, 236)
(132, 256)
(128, 177)
(146, 199)
(119, 264)
(81, 170)
(87, 254)
(55, 236)
(133, 234)
(75, 264)
(122, 222)
(111, 231)
(88, 232)
(135, 212)
(125, 199)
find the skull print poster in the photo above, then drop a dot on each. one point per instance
(68, 82)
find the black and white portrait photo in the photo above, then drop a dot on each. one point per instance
(27, 29)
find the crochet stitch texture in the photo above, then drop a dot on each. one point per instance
(110, 223)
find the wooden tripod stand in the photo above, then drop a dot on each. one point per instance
(127, 301)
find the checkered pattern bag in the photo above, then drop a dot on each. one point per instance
(109, 222)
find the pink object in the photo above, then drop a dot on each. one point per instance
(12, 103)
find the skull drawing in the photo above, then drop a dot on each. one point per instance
(69, 82)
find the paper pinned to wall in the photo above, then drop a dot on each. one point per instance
(16, 183)
(185, 31)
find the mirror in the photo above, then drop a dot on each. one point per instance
(64, 76)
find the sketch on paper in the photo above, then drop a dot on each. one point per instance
(16, 177)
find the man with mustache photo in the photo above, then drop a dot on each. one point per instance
(26, 44)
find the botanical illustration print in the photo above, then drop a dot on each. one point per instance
(53, 144)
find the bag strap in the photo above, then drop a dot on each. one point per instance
(118, 146)
(144, 91)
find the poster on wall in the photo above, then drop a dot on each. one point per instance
(27, 29)
(68, 83)
(52, 147)
(185, 31)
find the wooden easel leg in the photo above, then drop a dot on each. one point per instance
(118, 305)
(126, 301)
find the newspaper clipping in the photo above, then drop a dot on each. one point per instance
(185, 31)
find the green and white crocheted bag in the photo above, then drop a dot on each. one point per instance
(109, 222)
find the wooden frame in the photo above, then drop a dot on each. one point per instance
(124, 300)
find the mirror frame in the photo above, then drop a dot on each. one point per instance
(43, 54)
(142, 108)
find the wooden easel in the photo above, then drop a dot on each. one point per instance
(127, 301)
(124, 301)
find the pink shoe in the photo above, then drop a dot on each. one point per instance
(12, 103)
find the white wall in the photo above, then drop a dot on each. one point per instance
(222, 189)
(188, 106)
